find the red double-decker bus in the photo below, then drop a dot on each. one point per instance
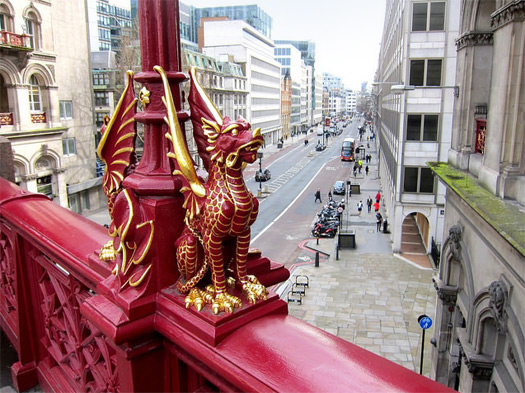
(348, 149)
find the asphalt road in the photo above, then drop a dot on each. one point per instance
(288, 209)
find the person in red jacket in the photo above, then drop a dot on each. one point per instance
(378, 197)
(376, 206)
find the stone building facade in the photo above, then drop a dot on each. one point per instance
(480, 313)
(46, 100)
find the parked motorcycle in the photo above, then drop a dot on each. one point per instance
(324, 230)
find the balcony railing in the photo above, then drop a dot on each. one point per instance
(15, 41)
(38, 117)
(70, 335)
(6, 119)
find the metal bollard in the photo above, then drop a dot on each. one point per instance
(317, 259)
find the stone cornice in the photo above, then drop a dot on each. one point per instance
(479, 365)
(474, 38)
(512, 12)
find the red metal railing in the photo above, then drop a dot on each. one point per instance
(52, 311)
(12, 39)
(6, 119)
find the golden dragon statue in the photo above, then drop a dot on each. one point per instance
(214, 244)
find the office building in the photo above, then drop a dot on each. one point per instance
(414, 95)
(255, 53)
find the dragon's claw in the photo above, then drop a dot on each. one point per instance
(225, 302)
(254, 290)
(198, 298)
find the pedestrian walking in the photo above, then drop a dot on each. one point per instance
(359, 207)
(378, 197)
(355, 170)
(369, 203)
(379, 221)
(366, 170)
(376, 206)
(329, 195)
(318, 195)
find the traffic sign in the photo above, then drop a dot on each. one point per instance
(424, 321)
(340, 209)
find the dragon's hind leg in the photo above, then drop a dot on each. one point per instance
(191, 268)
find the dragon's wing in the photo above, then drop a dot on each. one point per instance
(117, 147)
(202, 108)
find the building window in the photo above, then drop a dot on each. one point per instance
(66, 110)
(422, 128)
(428, 16)
(101, 79)
(35, 97)
(85, 200)
(425, 72)
(101, 98)
(4, 102)
(99, 118)
(44, 185)
(6, 20)
(32, 29)
(418, 180)
(69, 146)
(481, 132)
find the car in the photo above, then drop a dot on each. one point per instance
(320, 147)
(263, 175)
(339, 188)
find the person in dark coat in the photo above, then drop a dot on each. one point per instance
(318, 195)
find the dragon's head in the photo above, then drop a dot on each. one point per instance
(232, 143)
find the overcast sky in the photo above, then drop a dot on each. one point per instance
(347, 33)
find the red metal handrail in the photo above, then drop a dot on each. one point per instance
(50, 278)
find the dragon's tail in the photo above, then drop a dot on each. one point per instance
(185, 288)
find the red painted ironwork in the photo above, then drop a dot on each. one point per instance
(481, 132)
(76, 328)
(6, 119)
(38, 117)
(14, 40)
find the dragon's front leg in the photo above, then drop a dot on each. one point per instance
(252, 288)
(222, 300)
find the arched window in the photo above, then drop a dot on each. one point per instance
(32, 29)
(4, 99)
(35, 97)
(6, 19)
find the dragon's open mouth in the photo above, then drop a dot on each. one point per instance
(248, 151)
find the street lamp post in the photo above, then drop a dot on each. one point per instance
(260, 156)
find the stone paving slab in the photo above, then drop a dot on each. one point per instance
(371, 300)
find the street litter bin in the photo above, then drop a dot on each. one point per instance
(385, 226)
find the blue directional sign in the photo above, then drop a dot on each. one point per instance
(424, 321)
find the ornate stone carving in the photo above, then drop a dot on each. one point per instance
(512, 358)
(514, 11)
(474, 38)
(455, 234)
(498, 298)
(446, 293)
(480, 366)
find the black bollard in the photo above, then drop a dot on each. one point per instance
(317, 259)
